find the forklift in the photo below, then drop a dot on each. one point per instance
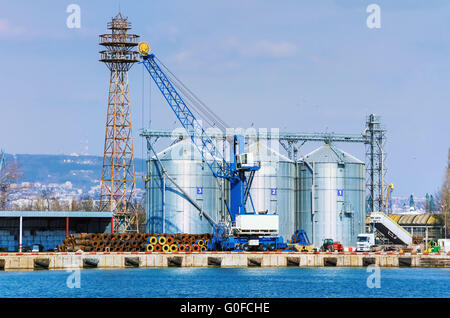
(330, 246)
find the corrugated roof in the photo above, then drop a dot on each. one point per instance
(412, 219)
(418, 219)
(421, 219)
(329, 153)
(433, 220)
(183, 150)
(395, 217)
(60, 214)
(264, 153)
(406, 219)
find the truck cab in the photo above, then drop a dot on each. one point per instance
(37, 248)
(364, 242)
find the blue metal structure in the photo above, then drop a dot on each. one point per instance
(233, 172)
(222, 241)
(300, 237)
(266, 243)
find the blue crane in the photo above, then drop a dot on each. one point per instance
(249, 230)
(235, 171)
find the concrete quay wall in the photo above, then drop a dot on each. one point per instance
(30, 261)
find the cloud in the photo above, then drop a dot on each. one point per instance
(271, 49)
(173, 30)
(173, 33)
(184, 56)
(8, 30)
(226, 53)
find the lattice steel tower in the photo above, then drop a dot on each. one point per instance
(375, 165)
(118, 177)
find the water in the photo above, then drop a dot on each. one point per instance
(228, 282)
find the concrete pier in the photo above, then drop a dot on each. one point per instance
(43, 261)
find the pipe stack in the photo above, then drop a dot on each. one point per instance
(104, 242)
(135, 242)
(169, 243)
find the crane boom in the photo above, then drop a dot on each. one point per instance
(249, 230)
(234, 172)
(218, 165)
(388, 194)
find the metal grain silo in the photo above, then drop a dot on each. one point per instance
(330, 197)
(167, 208)
(273, 187)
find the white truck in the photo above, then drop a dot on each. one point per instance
(364, 242)
(250, 232)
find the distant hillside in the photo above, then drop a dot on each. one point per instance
(82, 171)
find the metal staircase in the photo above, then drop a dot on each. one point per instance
(390, 229)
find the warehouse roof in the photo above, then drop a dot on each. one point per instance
(265, 153)
(412, 219)
(329, 153)
(183, 150)
(52, 214)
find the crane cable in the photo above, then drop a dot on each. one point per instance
(142, 115)
(208, 112)
(201, 108)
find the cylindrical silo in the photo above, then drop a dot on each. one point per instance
(273, 187)
(330, 197)
(167, 208)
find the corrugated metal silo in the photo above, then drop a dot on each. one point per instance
(169, 211)
(334, 206)
(273, 187)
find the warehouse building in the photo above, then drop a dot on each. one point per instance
(47, 228)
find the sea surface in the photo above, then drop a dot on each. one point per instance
(228, 282)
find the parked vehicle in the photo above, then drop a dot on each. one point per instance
(364, 242)
(37, 248)
(330, 246)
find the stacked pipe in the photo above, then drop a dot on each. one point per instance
(134, 242)
(104, 242)
(170, 243)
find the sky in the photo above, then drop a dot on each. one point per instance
(300, 66)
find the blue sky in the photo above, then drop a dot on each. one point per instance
(301, 66)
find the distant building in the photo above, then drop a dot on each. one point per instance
(47, 228)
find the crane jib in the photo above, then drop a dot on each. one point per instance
(199, 137)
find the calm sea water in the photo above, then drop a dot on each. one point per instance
(228, 282)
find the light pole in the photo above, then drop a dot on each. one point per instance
(444, 206)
